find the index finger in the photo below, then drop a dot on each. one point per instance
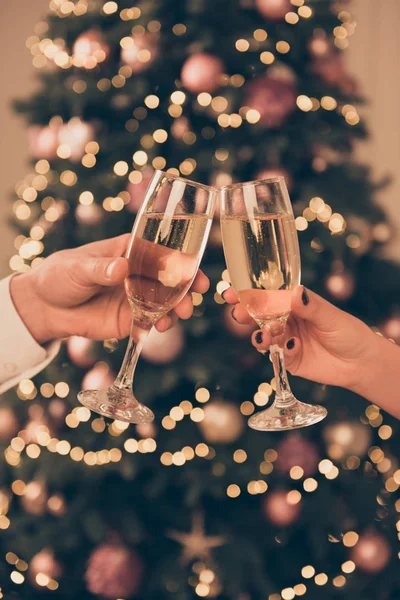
(201, 283)
(230, 296)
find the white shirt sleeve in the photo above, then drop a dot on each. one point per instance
(21, 357)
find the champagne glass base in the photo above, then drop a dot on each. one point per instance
(116, 404)
(294, 416)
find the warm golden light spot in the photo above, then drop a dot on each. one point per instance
(179, 29)
(202, 450)
(110, 7)
(260, 35)
(301, 223)
(202, 395)
(282, 47)
(296, 472)
(17, 577)
(168, 423)
(288, 594)
(86, 198)
(253, 116)
(140, 158)
(239, 456)
(307, 572)
(152, 101)
(121, 168)
(339, 581)
(328, 103)
(219, 103)
(350, 539)
(304, 103)
(305, 12)
(348, 566)
(242, 45)
(197, 415)
(176, 413)
(166, 459)
(293, 497)
(233, 491)
(321, 579)
(247, 408)
(292, 18)
(300, 589)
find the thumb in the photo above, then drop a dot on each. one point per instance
(309, 306)
(92, 271)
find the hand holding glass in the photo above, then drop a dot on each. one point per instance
(263, 258)
(167, 244)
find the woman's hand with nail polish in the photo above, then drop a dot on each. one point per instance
(81, 292)
(322, 342)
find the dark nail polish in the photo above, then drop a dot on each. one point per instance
(290, 344)
(305, 298)
(259, 337)
(233, 315)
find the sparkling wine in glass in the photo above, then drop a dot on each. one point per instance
(263, 259)
(166, 246)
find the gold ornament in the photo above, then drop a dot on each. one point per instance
(196, 544)
(222, 423)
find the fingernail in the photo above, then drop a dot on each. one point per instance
(233, 315)
(259, 337)
(110, 268)
(222, 295)
(290, 344)
(305, 298)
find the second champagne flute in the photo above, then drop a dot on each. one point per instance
(263, 259)
(166, 246)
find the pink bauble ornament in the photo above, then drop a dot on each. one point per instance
(340, 286)
(348, 438)
(146, 430)
(35, 497)
(140, 51)
(163, 348)
(35, 426)
(273, 9)
(319, 45)
(98, 378)
(76, 134)
(43, 141)
(45, 564)
(138, 190)
(391, 328)
(114, 571)
(89, 214)
(58, 410)
(274, 99)
(202, 73)
(279, 510)
(295, 451)
(90, 49)
(371, 553)
(276, 172)
(222, 423)
(56, 505)
(235, 328)
(331, 69)
(81, 351)
(179, 127)
(8, 424)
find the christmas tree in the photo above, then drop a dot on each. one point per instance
(197, 504)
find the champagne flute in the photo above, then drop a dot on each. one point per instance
(166, 246)
(263, 259)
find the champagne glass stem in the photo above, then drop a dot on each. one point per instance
(283, 396)
(139, 332)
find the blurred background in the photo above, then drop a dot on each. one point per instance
(370, 58)
(197, 504)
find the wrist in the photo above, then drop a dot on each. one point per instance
(378, 352)
(35, 313)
